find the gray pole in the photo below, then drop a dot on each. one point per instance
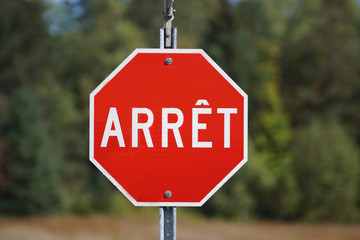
(168, 39)
(167, 223)
(168, 34)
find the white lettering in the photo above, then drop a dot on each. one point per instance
(143, 126)
(173, 126)
(196, 126)
(112, 119)
(113, 127)
(227, 112)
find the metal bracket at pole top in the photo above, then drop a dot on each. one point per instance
(168, 34)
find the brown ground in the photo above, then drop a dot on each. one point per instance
(111, 228)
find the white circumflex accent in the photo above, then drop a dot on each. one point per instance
(202, 102)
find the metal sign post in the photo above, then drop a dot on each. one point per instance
(168, 39)
(167, 223)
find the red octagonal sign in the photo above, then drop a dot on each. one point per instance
(168, 127)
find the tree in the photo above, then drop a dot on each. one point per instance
(327, 170)
(243, 43)
(87, 56)
(31, 167)
(320, 62)
(33, 115)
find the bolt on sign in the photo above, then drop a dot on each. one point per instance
(168, 127)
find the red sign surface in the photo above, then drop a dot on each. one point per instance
(168, 120)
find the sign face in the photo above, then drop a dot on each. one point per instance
(168, 127)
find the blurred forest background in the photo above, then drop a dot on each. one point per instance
(298, 60)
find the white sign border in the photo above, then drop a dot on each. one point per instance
(113, 181)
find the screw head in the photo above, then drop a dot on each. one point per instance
(168, 34)
(167, 194)
(168, 61)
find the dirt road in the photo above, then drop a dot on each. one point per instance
(111, 228)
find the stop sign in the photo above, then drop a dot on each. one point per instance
(168, 127)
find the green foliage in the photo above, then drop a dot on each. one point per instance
(237, 198)
(29, 127)
(31, 168)
(87, 56)
(327, 170)
(323, 73)
(147, 15)
(247, 49)
(191, 19)
(297, 60)
(34, 108)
